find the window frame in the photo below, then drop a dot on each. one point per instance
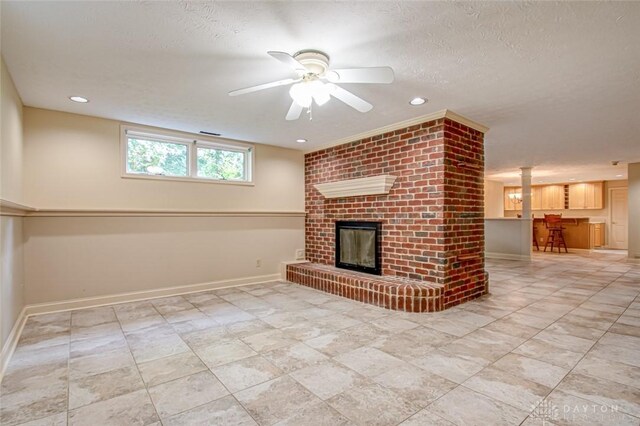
(193, 142)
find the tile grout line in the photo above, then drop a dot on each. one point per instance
(462, 384)
(193, 351)
(208, 369)
(538, 300)
(584, 355)
(69, 369)
(136, 362)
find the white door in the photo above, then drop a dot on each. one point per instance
(619, 217)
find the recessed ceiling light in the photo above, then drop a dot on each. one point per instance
(572, 179)
(417, 101)
(301, 140)
(79, 99)
(618, 175)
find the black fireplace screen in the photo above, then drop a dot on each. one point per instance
(358, 246)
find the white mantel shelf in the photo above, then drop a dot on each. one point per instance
(374, 185)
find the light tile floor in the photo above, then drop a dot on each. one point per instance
(557, 342)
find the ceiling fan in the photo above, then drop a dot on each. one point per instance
(315, 82)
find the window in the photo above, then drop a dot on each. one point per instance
(169, 157)
(218, 163)
(153, 157)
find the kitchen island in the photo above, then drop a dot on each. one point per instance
(579, 232)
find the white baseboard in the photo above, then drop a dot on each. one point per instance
(91, 302)
(507, 256)
(12, 341)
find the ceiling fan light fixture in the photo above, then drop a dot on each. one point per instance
(321, 98)
(320, 92)
(301, 94)
(305, 92)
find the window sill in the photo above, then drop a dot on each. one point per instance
(188, 179)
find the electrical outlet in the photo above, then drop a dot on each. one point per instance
(258, 263)
(300, 254)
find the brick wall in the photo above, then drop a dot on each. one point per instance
(432, 220)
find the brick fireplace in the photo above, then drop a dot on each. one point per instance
(432, 238)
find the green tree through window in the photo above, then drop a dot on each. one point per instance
(220, 164)
(156, 158)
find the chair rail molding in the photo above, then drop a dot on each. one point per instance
(9, 208)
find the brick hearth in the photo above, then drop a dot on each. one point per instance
(396, 293)
(432, 218)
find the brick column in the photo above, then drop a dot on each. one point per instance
(433, 217)
(462, 257)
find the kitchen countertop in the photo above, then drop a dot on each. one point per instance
(574, 219)
(568, 219)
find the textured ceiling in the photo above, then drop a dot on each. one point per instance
(557, 83)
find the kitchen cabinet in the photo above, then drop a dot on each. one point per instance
(552, 197)
(587, 195)
(596, 235)
(536, 198)
(543, 197)
(584, 195)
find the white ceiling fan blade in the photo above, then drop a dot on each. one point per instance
(263, 86)
(294, 111)
(350, 99)
(287, 59)
(383, 75)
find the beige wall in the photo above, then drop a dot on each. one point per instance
(74, 162)
(11, 238)
(12, 150)
(75, 257)
(634, 210)
(11, 274)
(493, 198)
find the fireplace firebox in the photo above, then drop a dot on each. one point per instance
(358, 246)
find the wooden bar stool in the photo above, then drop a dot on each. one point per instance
(535, 238)
(553, 223)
